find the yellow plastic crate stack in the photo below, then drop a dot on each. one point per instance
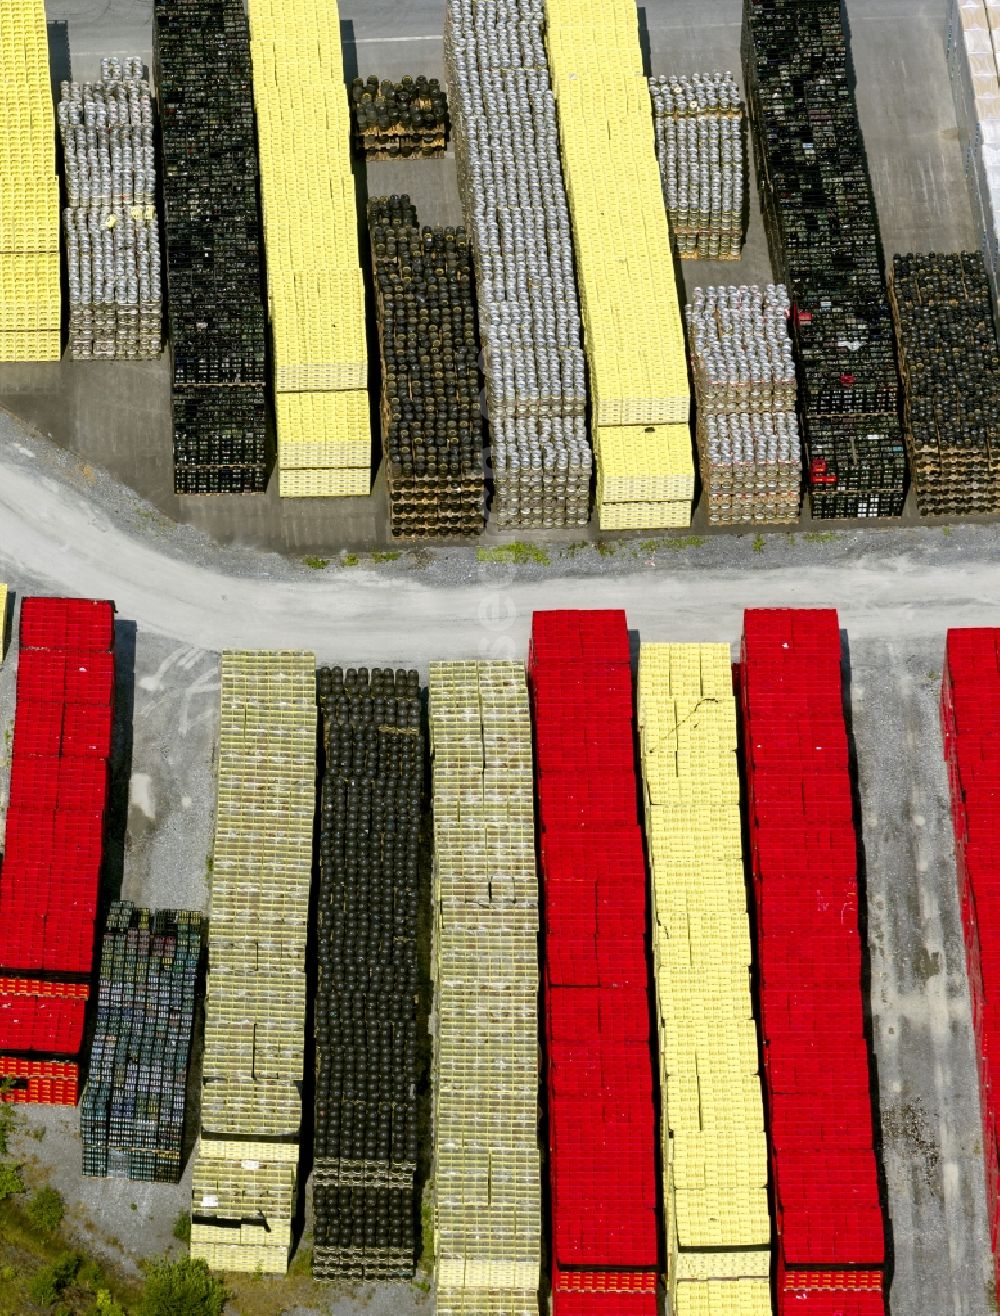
(633, 335)
(30, 297)
(714, 1144)
(245, 1174)
(316, 292)
(487, 1185)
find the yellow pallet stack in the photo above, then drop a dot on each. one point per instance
(245, 1174)
(714, 1144)
(30, 296)
(316, 291)
(487, 1178)
(633, 334)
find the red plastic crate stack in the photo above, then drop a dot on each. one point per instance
(830, 1223)
(602, 1159)
(970, 721)
(51, 870)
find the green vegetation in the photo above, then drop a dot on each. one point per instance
(45, 1209)
(349, 560)
(758, 543)
(47, 1286)
(10, 1180)
(948, 530)
(106, 1305)
(184, 1286)
(606, 547)
(516, 554)
(571, 550)
(821, 536)
(182, 1227)
(386, 555)
(317, 563)
(672, 542)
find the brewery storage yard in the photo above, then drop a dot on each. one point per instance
(546, 873)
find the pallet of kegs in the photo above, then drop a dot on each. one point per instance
(633, 334)
(201, 65)
(133, 1106)
(951, 376)
(432, 431)
(30, 294)
(399, 120)
(112, 233)
(507, 150)
(744, 379)
(699, 141)
(822, 229)
(244, 1193)
(365, 1015)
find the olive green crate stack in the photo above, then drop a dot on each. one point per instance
(487, 1186)
(245, 1176)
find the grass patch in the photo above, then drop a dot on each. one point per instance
(606, 547)
(571, 550)
(821, 536)
(384, 555)
(349, 560)
(516, 554)
(758, 543)
(45, 1209)
(317, 563)
(948, 530)
(182, 1227)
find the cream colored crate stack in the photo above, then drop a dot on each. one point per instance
(744, 376)
(714, 1145)
(487, 1186)
(245, 1175)
(316, 292)
(633, 336)
(30, 295)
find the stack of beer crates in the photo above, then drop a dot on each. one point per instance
(398, 120)
(487, 1171)
(316, 293)
(970, 720)
(633, 335)
(201, 60)
(744, 379)
(804, 850)
(112, 231)
(132, 1108)
(602, 1153)
(245, 1187)
(514, 199)
(822, 228)
(714, 1148)
(950, 365)
(30, 297)
(365, 1018)
(55, 842)
(432, 428)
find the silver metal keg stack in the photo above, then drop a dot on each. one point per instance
(699, 142)
(112, 235)
(747, 431)
(507, 147)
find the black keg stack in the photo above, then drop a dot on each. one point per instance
(950, 365)
(133, 1106)
(201, 58)
(365, 1019)
(822, 230)
(432, 429)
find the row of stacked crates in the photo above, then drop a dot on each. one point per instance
(201, 61)
(30, 294)
(714, 1148)
(365, 1019)
(822, 230)
(804, 853)
(970, 721)
(487, 1173)
(133, 1106)
(633, 335)
(316, 292)
(245, 1185)
(973, 43)
(55, 841)
(602, 1152)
